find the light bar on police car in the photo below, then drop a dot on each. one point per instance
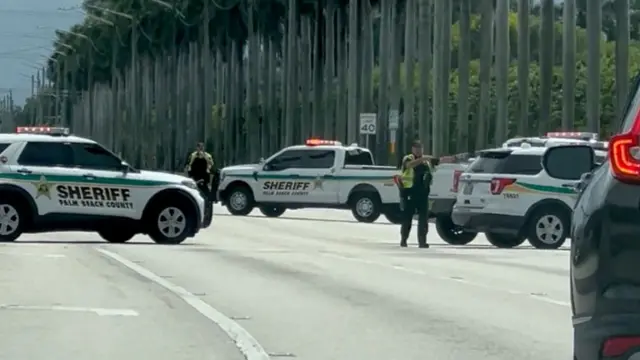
(316, 142)
(42, 130)
(573, 135)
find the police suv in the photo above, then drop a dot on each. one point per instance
(53, 181)
(508, 195)
(324, 174)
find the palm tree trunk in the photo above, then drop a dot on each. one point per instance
(502, 70)
(523, 67)
(424, 59)
(546, 64)
(622, 56)
(464, 55)
(594, 35)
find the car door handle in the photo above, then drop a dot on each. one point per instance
(24, 171)
(569, 185)
(89, 176)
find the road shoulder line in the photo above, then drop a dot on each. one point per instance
(246, 343)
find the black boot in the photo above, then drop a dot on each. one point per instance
(403, 243)
(422, 243)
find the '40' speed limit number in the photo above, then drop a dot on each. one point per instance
(368, 124)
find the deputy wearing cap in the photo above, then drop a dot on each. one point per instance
(416, 177)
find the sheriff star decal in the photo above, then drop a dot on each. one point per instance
(43, 187)
(317, 183)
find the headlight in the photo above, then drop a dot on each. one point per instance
(190, 184)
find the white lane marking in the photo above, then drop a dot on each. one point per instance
(97, 311)
(248, 345)
(15, 253)
(458, 280)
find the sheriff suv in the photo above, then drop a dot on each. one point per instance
(605, 248)
(53, 181)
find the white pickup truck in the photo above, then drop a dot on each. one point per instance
(326, 174)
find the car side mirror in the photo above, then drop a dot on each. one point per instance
(568, 162)
(125, 167)
(261, 161)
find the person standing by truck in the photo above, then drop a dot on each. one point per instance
(416, 176)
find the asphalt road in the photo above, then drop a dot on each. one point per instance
(294, 287)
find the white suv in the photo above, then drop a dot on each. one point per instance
(51, 181)
(507, 194)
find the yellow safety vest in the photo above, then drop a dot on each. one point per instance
(408, 174)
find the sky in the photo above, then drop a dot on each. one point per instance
(26, 37)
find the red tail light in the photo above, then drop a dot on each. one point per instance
(456, 180)
(617, 346)
(498, 185)
(624, 166)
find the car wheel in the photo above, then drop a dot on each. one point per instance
(240, 201)
(365, 207)
(451, 233)
(272, 210)
(208, 214)
(505, 241)
(548, 227)
(116, 236)
(171, 223)
(12, 219)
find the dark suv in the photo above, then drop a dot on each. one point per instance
(605, 248)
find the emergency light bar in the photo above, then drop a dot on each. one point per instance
(42, 130)
(573, 135)
(316, 142)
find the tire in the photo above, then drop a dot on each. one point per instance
(13, 218)
(208, 214)
(505, 241)
(240, 201)
(394, 216)
(451, 233)
(365, 206)
(557, 222)
(272, 211)
(171, 222)
(116, 236)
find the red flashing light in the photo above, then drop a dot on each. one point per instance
(572, 135)
(623, 165)
(498, 185)
(42, 130)
(618, 346)
(316, 142)
(33, 129)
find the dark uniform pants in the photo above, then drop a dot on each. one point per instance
(412, 204)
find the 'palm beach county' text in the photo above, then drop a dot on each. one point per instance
(95, 197)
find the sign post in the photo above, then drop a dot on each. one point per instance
(368, 126)
(394, 124)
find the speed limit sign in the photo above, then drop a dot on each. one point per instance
(368, 124)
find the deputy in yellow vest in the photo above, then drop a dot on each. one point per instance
(416, 176)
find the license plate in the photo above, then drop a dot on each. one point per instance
(468, 189)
